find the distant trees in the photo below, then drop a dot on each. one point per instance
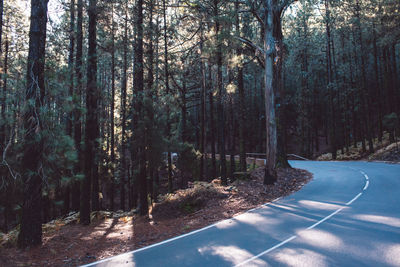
(346, 80)
(196, 80)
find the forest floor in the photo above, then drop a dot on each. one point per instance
(67, 243)
(384, 151)
(389, 153)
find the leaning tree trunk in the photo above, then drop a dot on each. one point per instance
(271, 139)
(31, 221)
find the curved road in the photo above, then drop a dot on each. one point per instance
(348, 215)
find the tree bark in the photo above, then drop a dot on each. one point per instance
(70, 118)
(112, 141)
(271, 139)
(31, 221)
(77, 106)
(220, 107)
(332, 130)
(212, 125)
(166, 72)
(364, 93)
(242, 111)
(203, 108)
(281, 158)
(139, 74)
(124, 83)
(92, 125)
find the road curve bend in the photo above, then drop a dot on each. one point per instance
(348, 215)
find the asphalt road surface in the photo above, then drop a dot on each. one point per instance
(348, 215)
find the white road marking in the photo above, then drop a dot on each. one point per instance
(177, 237)
(154, 245)
(366, 185)
(266, 251)
(324, 219)
(354, 199)
(212, 225)
(312, 226)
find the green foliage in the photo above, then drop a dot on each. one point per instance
(188, 158)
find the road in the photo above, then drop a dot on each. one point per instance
(348, 215)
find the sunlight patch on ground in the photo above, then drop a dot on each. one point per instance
(320, 238)
(232, 254)
(300, 257)
(111, 229)
(226, 224)
(122, 260)
(390, 221)
(319, 205)
(256, 219)
(392, 254)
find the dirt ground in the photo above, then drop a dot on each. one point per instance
(67, 243)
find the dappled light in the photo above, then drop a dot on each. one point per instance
(386, 220)
(165, 129)
(257, 220)
(300, 257)
(311, 204)
(232, 254)
(226, 224)
(392, 254)
(320, 238)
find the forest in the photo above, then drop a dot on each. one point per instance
(108, 104)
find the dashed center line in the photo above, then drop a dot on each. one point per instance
(312, 226)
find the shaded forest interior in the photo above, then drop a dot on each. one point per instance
(108, 104)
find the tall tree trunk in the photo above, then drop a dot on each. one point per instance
(220, 107)
(124, 82)
(92, 125)
(166, 72)
(364, 93)
(281, 157)
(3, 96)
(4, 93)
(396, 89)
(77, 106)
(71, 62)
(31, 221)
(183, 110)
(71, 91)
(203, 107)
(378, 85)
(3, 135)
(212, 125)
(242, 111)
(332, 130)
(139, 72)
(271, 139)
(150, 108)
(112, 141)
